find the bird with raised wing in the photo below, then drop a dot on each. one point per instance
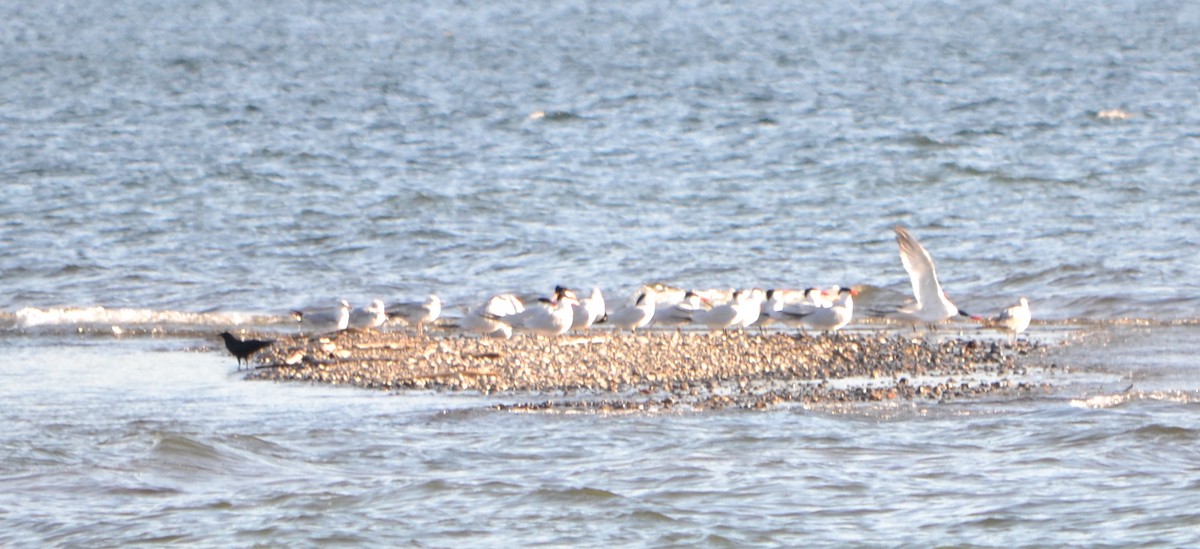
(931, 305)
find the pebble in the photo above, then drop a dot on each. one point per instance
(653, 370)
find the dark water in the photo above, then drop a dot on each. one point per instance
(174, 169)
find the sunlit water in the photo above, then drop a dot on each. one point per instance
(170, 171)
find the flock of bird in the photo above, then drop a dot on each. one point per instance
(824, 310)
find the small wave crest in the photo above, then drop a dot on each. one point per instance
(86, 319)
(1101, 401)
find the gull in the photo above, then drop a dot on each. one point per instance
(325, 321)
(723, 316)
(244, 349)
(418, 314)
(488, 318)
(632, 317)
(679, 314)
(832, 318)
(1013, 320)
(932, 305)
(588, 311)
(369, 318)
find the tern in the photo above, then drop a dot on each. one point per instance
(679, 314)
(418, 314)
(244, 349)
(488, 318)
(832, 318)
(548, 317)
(773, 303)
(588, 311)
(723, 316)
(632, 317)
(751, 308)
(1013, 320)
(932, 306)
(792, 313)
(325, 321)
(369, 318)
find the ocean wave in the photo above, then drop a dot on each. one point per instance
(85, 318)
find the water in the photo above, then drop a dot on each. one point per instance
(172, 171)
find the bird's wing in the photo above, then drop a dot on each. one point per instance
(919, 264)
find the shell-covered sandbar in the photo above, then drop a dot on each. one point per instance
(660, 369)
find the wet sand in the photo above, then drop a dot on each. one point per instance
(660, 369)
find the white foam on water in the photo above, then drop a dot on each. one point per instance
(32, 317)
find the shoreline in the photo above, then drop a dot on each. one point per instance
(610, 371)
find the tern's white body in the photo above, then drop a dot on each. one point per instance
(487, 319)
(751, 308)
(680, 314)
(834, 317)
(549, 319)
(588, 311)
(792, 314)
(723, 316)
(632, 317)
(932, 305)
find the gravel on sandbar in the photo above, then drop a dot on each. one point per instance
(611, 371)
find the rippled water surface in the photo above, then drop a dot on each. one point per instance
(169, 170)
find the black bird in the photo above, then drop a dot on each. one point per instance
(244, 349)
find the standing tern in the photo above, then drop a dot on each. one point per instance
(679, 314)
(723, 316)
(791, 314)
(549, 317)
(488, 319)
(751, 308)
(588, 310)
(932, 305)
(632, 317)
(766, 313)
(1012, 320)
(832, 318)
